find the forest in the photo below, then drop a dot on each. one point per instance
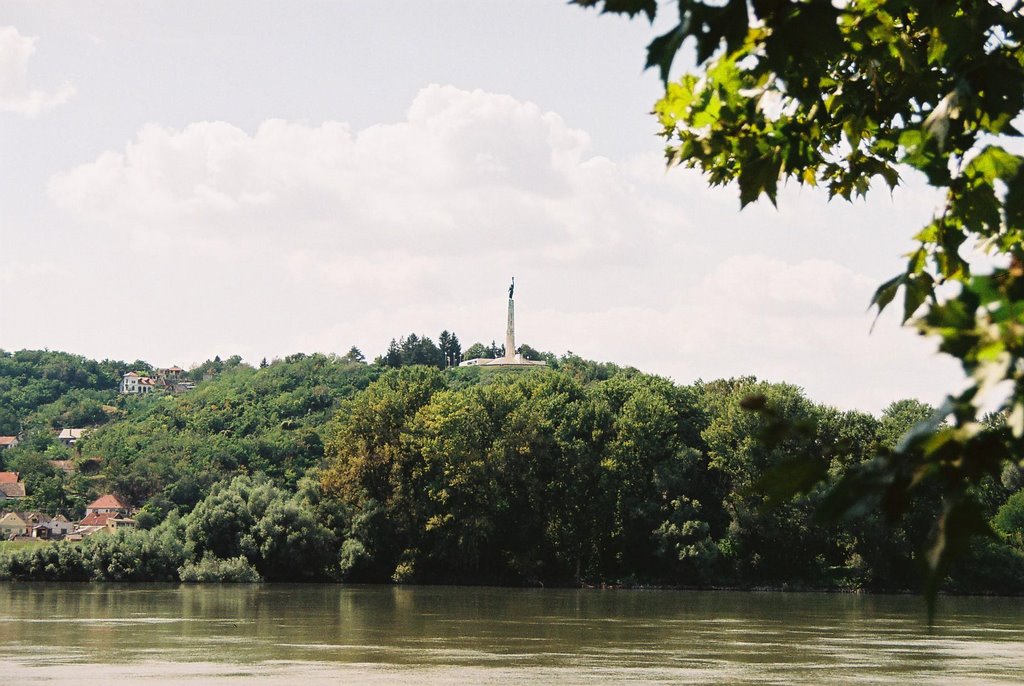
(328, 468)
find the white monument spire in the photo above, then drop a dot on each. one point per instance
(510, 328)
(510, 359)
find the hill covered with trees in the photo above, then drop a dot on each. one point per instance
(320, 467)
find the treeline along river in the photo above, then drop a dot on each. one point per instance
(318, 468)
(320, 634)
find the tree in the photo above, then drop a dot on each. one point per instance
(842, 94)
(450, 348)
(354, 354)
(478, 351)
(393, 357)
(530, 353)
(421, 350)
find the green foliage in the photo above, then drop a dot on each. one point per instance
(479, 351)
(450, 348)
(1009, 521)
(420, 350)
(30, 379)
(320, 468)
(169, 450)
(210, 569)
(246, 530)
(845, 94)
(214, 367)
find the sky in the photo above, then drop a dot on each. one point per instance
(183, 179)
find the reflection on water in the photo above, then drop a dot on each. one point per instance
(314, 634)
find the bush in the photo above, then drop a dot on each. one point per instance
(1009, 520)
(234, 570)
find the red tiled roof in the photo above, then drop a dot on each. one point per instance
(94, 519)
(8, 440)
(106, 502)
(8, 477)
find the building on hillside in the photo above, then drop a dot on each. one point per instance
(34, 524)
(12, 491)
(71, 436)
(172, 373)
(90, 524)
(60, 526)
(171, 380)
(8, 442)
(38, 525)
(109, 505)
(13, 524)
(117, 523)
(106, 522)
(93, 519)
(11, 488)
(133, 383)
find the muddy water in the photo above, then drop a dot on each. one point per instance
(321, 634)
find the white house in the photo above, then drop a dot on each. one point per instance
(133, 383)
(71, 436)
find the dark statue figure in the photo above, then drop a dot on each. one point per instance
(512, 288)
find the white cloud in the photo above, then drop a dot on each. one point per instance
(16, 95)
(466, 172)
(323, 236)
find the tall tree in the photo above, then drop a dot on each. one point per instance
(450, 348)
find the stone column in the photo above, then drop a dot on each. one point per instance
(510, 331)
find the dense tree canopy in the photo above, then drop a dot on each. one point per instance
(30, 379)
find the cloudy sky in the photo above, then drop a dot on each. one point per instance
(185, 179)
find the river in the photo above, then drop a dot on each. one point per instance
(325, 634)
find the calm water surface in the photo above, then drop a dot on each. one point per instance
(319, 634)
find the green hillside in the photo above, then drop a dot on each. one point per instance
(325, 467)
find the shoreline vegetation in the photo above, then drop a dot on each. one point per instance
(322, 468)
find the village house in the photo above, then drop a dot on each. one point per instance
(59, 526)
(108, 504)
(35, 525)
(13, 524)
(107, 513)
(117, 523)
(11, 488)
(171, 373)
(8, 442)
(133, 383)
(170, 379)
(71, 436)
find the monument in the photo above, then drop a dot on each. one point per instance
(511, 358)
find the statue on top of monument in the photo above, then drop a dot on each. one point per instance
(512, 288)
